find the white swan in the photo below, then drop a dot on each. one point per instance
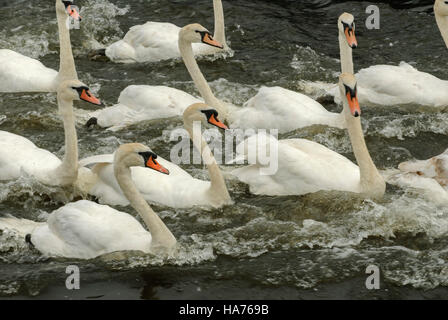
(156, 41)
(142, 102)
(286, 110)
(19, 156)
(429, 177)
(19, 73)
(179, 189)
(305, 166)
(86, 230)
(392, 85)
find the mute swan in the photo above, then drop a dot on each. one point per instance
(305, 166)
(143, 102)
(19, 73)
(286, 110)
(156, 41)
(86, 230)
(428, 176)
(179, 189)
(404, 84)
(19, 156)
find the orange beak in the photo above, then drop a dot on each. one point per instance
(72, 12)
(212, 120)
(87, 96)
(210, 41)
(354, 105)
(351, 38)
(153, 164)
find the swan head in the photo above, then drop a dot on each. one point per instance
(195, 33)
(66, 7)
(346, 26)
(137, 155)
(204, 114)
(441, 7)
(349, 90)
(71, 90)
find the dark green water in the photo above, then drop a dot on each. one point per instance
(316, 246)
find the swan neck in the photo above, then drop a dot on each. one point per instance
(442, 23)
(162, 238)
(68, 169)
(217, 182)
(346, 55)
(67, 69)
(371, 181)
(186, 51)
(219, 35)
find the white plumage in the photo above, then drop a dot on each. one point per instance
(141, 102)
(303, 167)
(19, 73)
(85, 230)
(19, 156)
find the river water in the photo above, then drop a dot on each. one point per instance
(315, 246)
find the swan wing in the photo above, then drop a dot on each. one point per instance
(19, 73)
(142, 103)
(403, 84)
(104, 158)
(149, 42)
(303, 167)
(85, 230)
(178, 189)
(286, 110)
(19, 155)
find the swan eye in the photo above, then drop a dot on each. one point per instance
(148, 155)
(81, 88)
(209, 113)
(348, 26)
(350, 91)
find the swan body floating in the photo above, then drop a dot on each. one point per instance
(306, 167)
(138, 103)
(430, 177)
(404, 84)
(19, 73)
(179, 189)
(19, 156)
(156, 41)
(86, 230)
(286, 110)
(143, 102)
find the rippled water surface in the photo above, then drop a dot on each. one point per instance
(314, 246)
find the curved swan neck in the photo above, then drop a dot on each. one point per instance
(346, 55)
(220, 34)
(442, 23)
(162, 238)
(186, 51)
(371, 181)
(217, 182)
(67, 172)
(67, 69)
